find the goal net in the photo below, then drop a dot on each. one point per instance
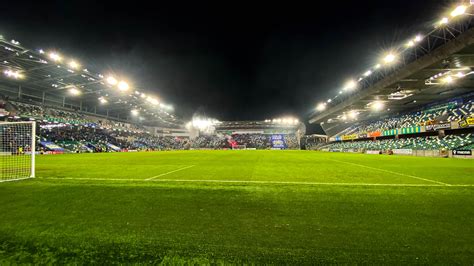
(17, 146)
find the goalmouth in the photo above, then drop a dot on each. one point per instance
(17, 150)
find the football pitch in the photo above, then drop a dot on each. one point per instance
(244, 207)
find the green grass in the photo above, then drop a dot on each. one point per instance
(248, 207)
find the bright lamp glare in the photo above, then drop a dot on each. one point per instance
(353, 114)
(112, 81)
(410, 44)
(74, 91)
(444, 21)
(350, 85)
(321, 107)
(13, 74)
(135, 112)
(458, 11)
(55, 57)
(418, 38)
(123, 86)
(390, 58)
(368, 73)
(377, 106)
(102, 100)
(448, 79)
(73, 64)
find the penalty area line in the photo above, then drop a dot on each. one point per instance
(392, 172)
(170, 172)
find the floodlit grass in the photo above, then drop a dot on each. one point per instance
(242, 207)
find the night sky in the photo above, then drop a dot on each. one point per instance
(232, 60)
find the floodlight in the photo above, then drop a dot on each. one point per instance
(377, 105)
(321, 107)
(329, 100)
(460, 75)
(353, 114)
(55, 57)
(13, 74)
(112, 81)
(418, 38)
(443, 21)
(389, 58)
(135, 112)
(74, 91)
(447, 79)
(123, 86)
(73, 64)
(458, 11)
(350, 85)
(410, 44)
(377, 66)
(368, 73)
(102, 100)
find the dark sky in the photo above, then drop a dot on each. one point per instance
(233, 60)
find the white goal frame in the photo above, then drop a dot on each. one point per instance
(32, 150)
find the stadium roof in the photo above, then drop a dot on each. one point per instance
(53, 79)
(428, 68)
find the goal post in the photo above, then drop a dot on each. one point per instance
(17, 150)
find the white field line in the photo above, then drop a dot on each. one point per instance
(170, 172)
(16, 179)
(392, 172)
(255, 182)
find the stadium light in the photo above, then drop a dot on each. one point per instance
(135, 112)
(152, 100)
(377, 66)
(377, 105)
(74, 91)
(329, 101)
(447, 80)
(321, 107)
(123, 86)
(13, 74)
(353, 114)
(418, 38)
(368, 73)
(350, 85)
(102, 100)
(112, 81)
(73, 64)
(389, 58)
(460, 10)
(443, 21)
(410, 44)
(55, 57)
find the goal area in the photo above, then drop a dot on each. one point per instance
(17, 150)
